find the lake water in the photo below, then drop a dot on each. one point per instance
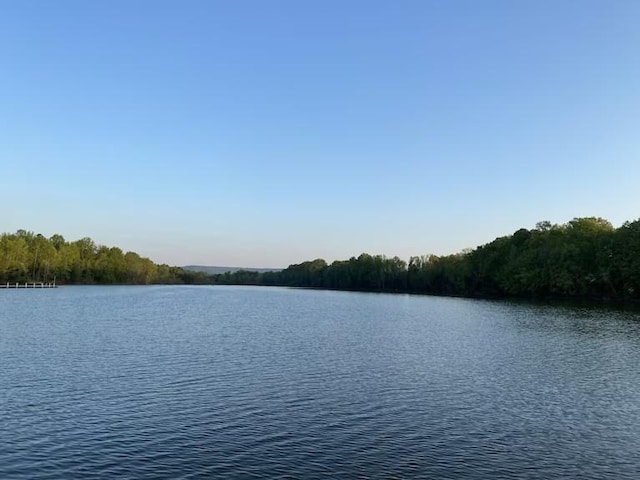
(241, 382)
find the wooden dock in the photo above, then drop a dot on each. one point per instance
(28, 285)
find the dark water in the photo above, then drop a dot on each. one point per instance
(223, 382)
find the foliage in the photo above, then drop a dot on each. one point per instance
(27, 257)
(585, 257)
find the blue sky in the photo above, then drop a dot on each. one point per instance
(264, 133)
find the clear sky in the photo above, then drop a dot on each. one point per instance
(263, 133)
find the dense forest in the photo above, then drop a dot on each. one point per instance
(584, 258)
(27, 257)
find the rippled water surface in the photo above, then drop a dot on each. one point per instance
(232, 382)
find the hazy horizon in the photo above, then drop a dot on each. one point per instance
(261, 134)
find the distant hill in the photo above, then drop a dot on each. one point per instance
(214, 270)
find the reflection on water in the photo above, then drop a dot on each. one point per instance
(189, 382)
(587, 319)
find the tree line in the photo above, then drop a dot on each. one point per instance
(29, 257)
(584, 258)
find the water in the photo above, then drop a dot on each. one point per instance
(232, 382)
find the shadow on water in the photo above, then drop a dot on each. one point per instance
(594, 319)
